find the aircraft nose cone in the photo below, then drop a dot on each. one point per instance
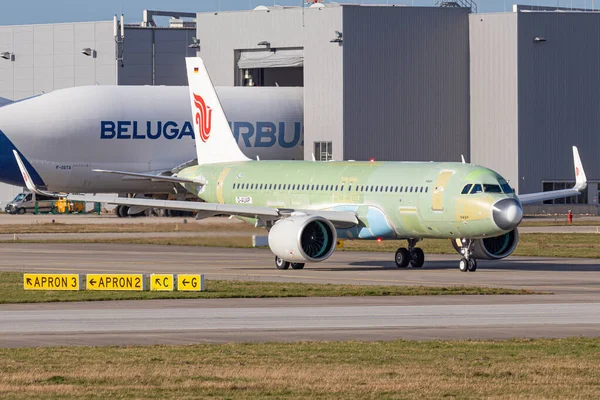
(507, 214)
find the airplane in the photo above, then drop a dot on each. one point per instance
(306, 206)
(77, 130)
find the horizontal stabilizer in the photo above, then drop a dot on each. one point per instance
(152, 177)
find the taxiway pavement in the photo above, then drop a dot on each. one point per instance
(572, 310)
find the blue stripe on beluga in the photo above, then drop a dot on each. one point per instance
(9, 170)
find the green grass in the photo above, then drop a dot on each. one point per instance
(192, 226)
(513, 369)
(11, 291)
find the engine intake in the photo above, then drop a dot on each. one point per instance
(303, 238)
(493, 248)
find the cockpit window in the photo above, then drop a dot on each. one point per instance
(476, 188)
(507, 189)
(466, 189)
(489, 188)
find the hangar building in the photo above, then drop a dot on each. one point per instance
(535, 92)
(382, 82)
(42, 58)
(429, 83)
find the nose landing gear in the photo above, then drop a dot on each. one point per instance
(467, 263)
(413, 255)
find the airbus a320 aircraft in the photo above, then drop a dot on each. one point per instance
(306, 205)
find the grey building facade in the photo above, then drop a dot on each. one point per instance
(535, 92)
(383, 82)
(43, 58)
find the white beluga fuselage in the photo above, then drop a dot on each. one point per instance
(63, 135)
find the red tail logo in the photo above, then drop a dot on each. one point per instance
(203, 117)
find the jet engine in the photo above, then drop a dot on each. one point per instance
(493, 248)
(302, 238)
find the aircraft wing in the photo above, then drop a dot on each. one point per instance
(580, 184)
(345, 218)
(152, 177)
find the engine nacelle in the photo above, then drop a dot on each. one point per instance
(493, 248)
(303, 238)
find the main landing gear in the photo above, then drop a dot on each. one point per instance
(282, 264)
(413, 255)
(467, 263)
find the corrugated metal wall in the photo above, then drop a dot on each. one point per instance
(156, 56)
(494, 117)
(48, 57)
(559, 96)
(323, 81)
(222, 33)
(406, 83)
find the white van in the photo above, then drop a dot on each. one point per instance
(26, 202)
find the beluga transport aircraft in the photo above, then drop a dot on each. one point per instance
(306, 206)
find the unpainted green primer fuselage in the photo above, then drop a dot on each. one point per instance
(392, 200)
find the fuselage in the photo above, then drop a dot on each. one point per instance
(392, 200)
(63, 135)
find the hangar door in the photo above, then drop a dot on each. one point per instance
(270, 67)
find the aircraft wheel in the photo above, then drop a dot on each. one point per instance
(297, 265)
(20, 211)
(402, 257)
(417, 258)
(281, 264)
(463, 265)
(472, 265)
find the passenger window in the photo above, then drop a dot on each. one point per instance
(421, 191)
(488, 188)
(336, 188)
(279, 186)
(234, 185)
(400, 189)
(476, 188)
(466, 189)
(426, 189)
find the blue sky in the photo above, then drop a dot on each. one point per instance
(14, 12)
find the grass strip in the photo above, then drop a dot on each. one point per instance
(192, 226)
(11, 291)
(570, 245)
(512, 369)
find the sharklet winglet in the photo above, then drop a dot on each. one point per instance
(580, 178)
(27, 178)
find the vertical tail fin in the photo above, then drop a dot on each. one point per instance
(214, 140)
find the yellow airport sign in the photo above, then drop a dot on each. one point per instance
(51, 282)
(162, 282)
(115, 282)
(190, 283)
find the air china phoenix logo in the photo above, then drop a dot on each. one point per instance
(203, 117)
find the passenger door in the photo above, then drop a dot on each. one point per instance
(439, 187)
